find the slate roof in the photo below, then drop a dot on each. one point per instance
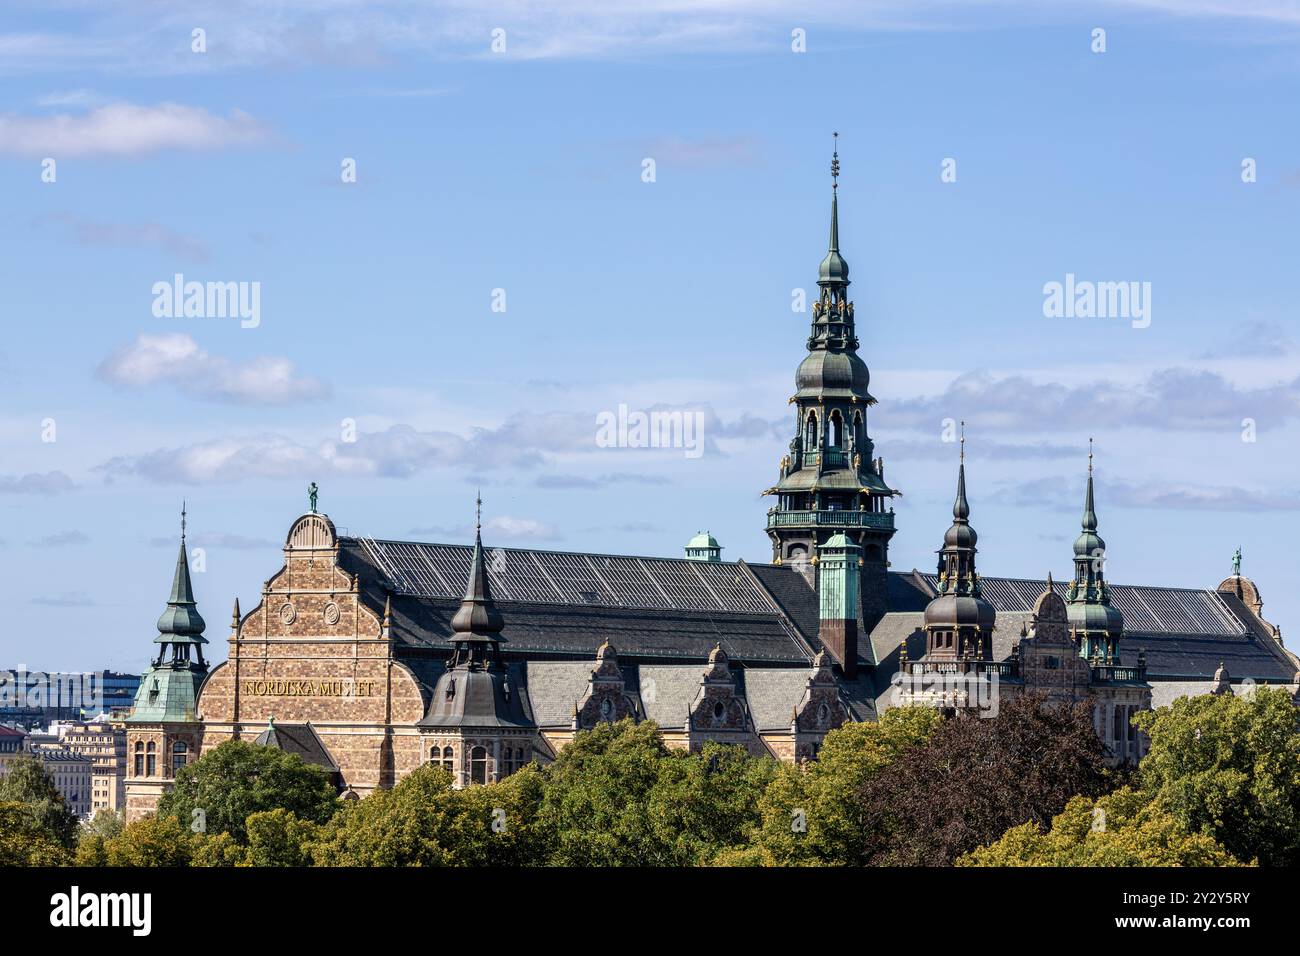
(561, 605)
(300, 739)
(669, 611)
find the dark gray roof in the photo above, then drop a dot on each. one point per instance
(298, 739)
(561, 605)
(700, 603)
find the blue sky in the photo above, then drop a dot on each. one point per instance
(522, 170)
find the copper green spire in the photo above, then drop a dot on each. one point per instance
(834, 270)
(961, 507)
(181, 620)
(1095, 621)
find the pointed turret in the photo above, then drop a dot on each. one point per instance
(959, 622)
(180, 626)
(1097, 624)
(477, 619)
(832, 482)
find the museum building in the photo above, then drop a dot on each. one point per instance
(369, 657)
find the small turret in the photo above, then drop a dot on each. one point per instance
(704, 547)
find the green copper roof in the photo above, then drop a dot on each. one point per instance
(834, 270)
(703, 540)
(838, 540)
(167, 695)
(180, 622)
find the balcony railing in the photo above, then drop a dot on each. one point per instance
(880, 520)
(1006, 670)
(1117, 674)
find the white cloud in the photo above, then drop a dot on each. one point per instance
(175, 358)
(125, 129)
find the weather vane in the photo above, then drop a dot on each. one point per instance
(835, 161)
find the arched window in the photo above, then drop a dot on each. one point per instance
(180, 755)
(150, 760)
(478, 761)
(857, 429)
(836, 437)
(449, 760)
(810, 432)
(139, 759)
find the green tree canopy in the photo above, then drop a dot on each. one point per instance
(811, 815)
(616, 796)
(1229, 767)
(237, 779)
(1125, 828)
(424, 821)
(150, 841)
(26, 841)
(28, 783)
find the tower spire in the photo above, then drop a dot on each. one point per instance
(961, 507)
(834, 272)
(478, 618)
(180, 625)
(1096, 622)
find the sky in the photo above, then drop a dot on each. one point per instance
(475, 228)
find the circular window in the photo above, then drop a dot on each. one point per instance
(719, 710)
(331, 614)
(287, 614)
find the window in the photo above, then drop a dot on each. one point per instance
(836, 438)
(810, 434)
(478, 761)
(180, 755)
(139, 759)
(150, 760)
(449, 760)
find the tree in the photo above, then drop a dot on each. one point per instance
(28, 783)
(424, 821)
(811, 814)
(616, 796)
(95, 833)
(278, 838)
(1125, 828)
(975, 778)
(237, 779)
(26, 841)
(1229, 767)
(150, 841)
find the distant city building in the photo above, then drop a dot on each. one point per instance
(72, 774)
(64, 696)
(105, 743)
(370, 657)
(12, 744)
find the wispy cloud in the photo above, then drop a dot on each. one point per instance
(1171, 398)
(66, 599)
(127, 235)
(503, 526)
(1066, 493)
(176, 359)
(34, 483)
(126, 129)
(61, 539)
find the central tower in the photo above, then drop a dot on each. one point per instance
(830, 482)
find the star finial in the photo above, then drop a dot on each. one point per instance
(963, 442)
(1090, 456)
(835, 161)
(182, 519)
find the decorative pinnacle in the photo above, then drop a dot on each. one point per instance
(478, 510)
(1090, 456)
(182, 519)
(963, 441)
(835, 161)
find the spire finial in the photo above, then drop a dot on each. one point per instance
(1090, 456)
(182, 520)
(963, 442)
(478, 510)
(835, 161)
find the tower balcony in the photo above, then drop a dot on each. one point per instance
(1119, 674)
(875, 520)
